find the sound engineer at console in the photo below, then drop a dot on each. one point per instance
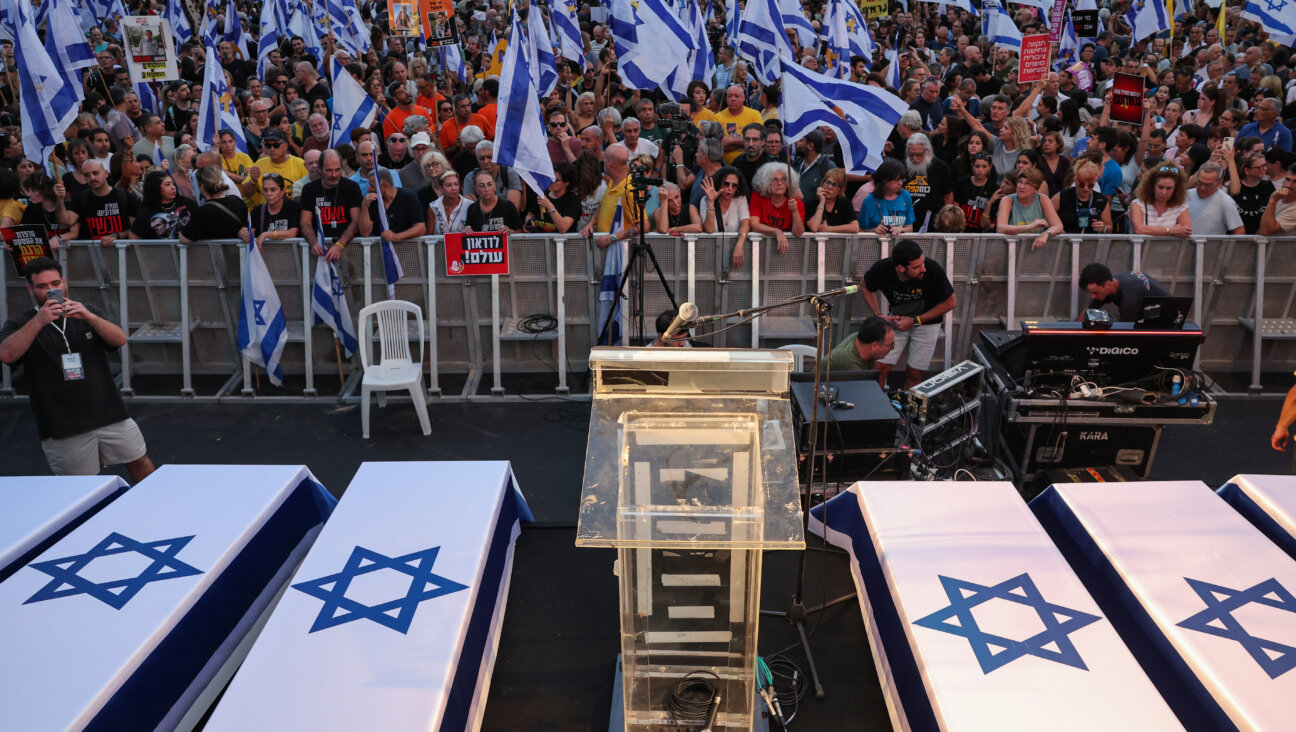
(861, 350)
(1125, 290)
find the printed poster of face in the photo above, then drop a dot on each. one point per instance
(150, 48)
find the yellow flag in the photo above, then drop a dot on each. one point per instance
(1219, 22)
(1170, 15)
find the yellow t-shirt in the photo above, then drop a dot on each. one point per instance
(705, 115)
(734, 125)
(13, 209)
(238, 165)
(292, 169)
(607, 208)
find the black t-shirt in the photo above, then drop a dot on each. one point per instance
(1251, 202)
(911, 298)
(1133, 288)
(239, 70)
(749, 167)
(403, 213)
(931, 113)
(104, 215)
(841, 212)
(333, 205)
(972, 198)
(68, 408)
(218, 218)
(568, 205)
(289, 217)
(177, 118)
(929, 191)
(36, 215)
(157, 223)
(503, 217)
(74, 187)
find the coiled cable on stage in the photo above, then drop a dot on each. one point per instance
(690, 700)
(537, 324)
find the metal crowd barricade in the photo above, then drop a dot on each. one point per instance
(179, 303)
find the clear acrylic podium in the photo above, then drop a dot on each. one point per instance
(690, 473)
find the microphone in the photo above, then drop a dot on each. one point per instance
(688, 311)
(847, 290)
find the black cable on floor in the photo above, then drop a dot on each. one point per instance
(690, 700)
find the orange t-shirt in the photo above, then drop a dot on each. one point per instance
(451, 129)
(430, 103)
(489, 113)
(395, 121)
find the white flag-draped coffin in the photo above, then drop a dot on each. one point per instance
(975, 620)
(1200, 595)
(123, 623)
(36, 511)
(1269, 503)
(392, 621)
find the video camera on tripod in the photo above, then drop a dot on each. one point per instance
(640, 179)
(680, 131)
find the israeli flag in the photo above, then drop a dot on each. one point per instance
(216, 111)
(863, 116)
(893, 61)
(337, 22)
(452, 61)
(964, 4)
(1277, 17)
(262, 328)
(180, 28)
(65, 45)
(999, 27)
(148, 98)
(48, 103)
(1148, 18)
(302, 25)
(846, 34)
(359, 31)
(609, 307)
(761, 38)
(353, 109)
(233, 31)
(650, 40)
(733, 19)
(329, 305)
(1069, 48)
(700, 62)
(391, 263)
(520, 134)
(543, 59)
(562, 13)
(794, 19)
(271, 11)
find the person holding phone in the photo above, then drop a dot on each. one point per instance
(63, 347)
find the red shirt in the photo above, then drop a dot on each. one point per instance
(766, 213)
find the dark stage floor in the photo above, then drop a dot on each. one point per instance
(560, 639)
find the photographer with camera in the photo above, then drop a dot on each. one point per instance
(63, 348)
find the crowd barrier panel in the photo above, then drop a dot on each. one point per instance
(179, 303)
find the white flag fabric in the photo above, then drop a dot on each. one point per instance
(1000, 29)
(700, 61)
(520, 138)
(216, 110)
(1147, 18)
(329, 305)
(761, 38)
(863, 116)
(1277, 17)
(543, 60)
(262, 328)
(980, 623)
(1268, 502)
(795, 19)
(1211, 593)
(845, 34)
(562, 13)
(353, 109)
(38, 508)
(392, 620)
(173, 11)
(650, 41)
(48, 103)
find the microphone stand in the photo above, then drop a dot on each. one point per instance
(797, 612)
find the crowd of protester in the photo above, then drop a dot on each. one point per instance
(976, 151)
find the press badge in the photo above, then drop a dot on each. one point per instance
(72, 370)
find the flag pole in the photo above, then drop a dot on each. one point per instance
(337, 351)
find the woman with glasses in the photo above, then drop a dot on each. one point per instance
(448, 214)
(279, 217)
(1159, 207)
(832, 211)
(1082, 209)
(434, 164)
(1250, 188)
(888, 210)
(724, 208)
(972, 193)
(776, 209)
(1027, 211)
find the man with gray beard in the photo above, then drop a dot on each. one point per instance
(929, 180)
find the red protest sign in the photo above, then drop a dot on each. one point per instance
(476, 254)
(25, 243)
(1127, 98)
(1035, 53)
(1057, 17)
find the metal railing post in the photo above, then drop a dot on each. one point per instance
(247, 372)
(1012, 282)
(821, 278)
(560, 265)
(1076, 241)
(1257, 339)
(124, 311)
(434, 372)
(755, 240)
(186, 388)
(368, 272)
(498, 388)
(947, 322)
(691, 242)
(307, 317)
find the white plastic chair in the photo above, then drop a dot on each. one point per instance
(800, 352)
(395, 369)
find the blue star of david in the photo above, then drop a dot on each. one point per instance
(1276, 5)
(1217, 619)
(257, 305)
(339, 609)
(1059, 623)
(115, 593)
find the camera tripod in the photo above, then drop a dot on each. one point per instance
(634, 271)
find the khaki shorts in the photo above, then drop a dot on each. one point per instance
(88, 452)
(921, 342)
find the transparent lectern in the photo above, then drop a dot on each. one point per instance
(690, 473)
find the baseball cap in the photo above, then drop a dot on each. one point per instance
(420, 138)
(273, 134)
